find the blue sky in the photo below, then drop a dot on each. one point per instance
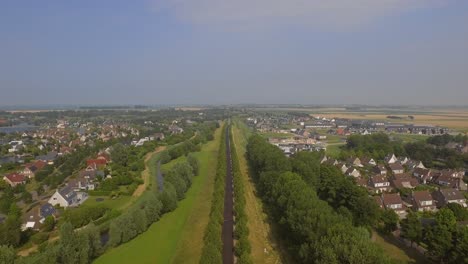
(246, 51)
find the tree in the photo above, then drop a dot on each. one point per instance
(168, 197)
(164, 157)
(91, 232)
(119, 155)
(439, 237)
(459, 211)
(49, 223)
(7, 255)
(193, 161)
(390, 221)
(411, 228)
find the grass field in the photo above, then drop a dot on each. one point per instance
(177, 236)
(396, 252)
(117, 203)
(264, 246)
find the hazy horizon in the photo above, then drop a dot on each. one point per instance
(180, 52)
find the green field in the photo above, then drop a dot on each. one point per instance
(397, 252)
(177, 236)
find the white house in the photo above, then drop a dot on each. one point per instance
(66, 197)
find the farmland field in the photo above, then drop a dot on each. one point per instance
(454, 118)
(178, 235)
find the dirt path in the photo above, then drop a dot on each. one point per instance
(146, 174)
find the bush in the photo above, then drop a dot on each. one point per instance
(40, 238)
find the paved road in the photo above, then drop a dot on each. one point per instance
(228, 226)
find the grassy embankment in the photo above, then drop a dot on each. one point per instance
(265, 248)
(178, 236)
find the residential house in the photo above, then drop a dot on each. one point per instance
(424, 175)
(391, 159)
(67, 197)
(400, 181)
(396, 168)
(446, 196)
(354, 162)
(380, 183)
(422, 201)
(361, 182)
(380, 169)
(414, 164)
(49, 158)
(368, 162)
(342, 167)
(30, 169)
(97, 163)
(393, 201)
(403, 160)
(14, 179)
(450, 179)
(353, 172)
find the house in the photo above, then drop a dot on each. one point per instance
(47, 210)
(85, 181)
(353, 172)
(368, 162)
(390, 159)
(14, 179)
(354, 162)
(423, 201)
(396, 168)
(49, 158)
(361, 182)
(403, 160)
(31, 219)
(66, 197)
(446, 196)
(31, 168)
(393, 201)
(96, 162)
(413, 164)
(324, 159)
(400, 181)
(379, 201)
(424, 175)
(448, 179)
(380, 183)
(342, 167)
(380, 169)
(159, 136)
(104, 156)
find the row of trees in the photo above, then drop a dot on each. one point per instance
(341, 193)
(241, 233)
(213, 244)
(313, 231)
(137, 220)
(447, 242)
(73, 247)
(433, 149)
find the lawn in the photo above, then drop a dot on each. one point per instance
(177, 236)
(265, 248)
(333, 150)
(277, 135)
(117, 203)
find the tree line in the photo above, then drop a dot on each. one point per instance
(431, 152)
(212, 241)
(242, 247)
(313, 230)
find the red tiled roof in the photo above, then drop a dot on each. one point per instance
(15, 177)
(96, 161)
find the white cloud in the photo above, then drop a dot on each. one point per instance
(326, 14)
